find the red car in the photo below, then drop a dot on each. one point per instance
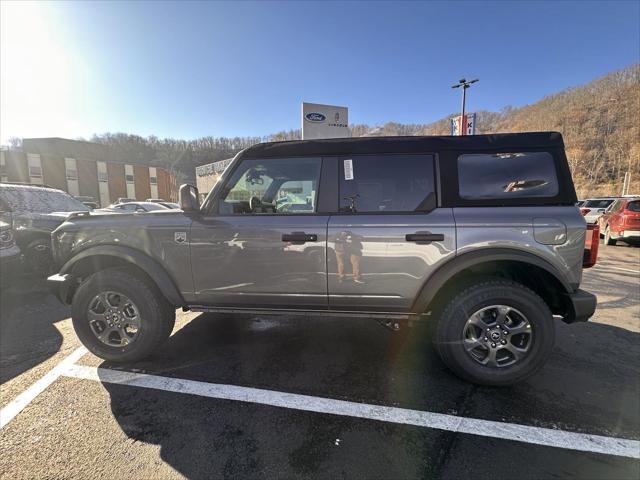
(622, 221)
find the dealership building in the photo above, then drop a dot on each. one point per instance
(85, 169)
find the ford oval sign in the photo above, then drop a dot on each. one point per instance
(315, 117)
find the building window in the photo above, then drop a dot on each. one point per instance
(129, 179)
(153, 180)
(71, 169)
(35, 167)
(3, 167)
(103, 177)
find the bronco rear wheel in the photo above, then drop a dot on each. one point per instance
(120, 316)
(495, 333)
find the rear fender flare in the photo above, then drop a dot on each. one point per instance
(436, 281)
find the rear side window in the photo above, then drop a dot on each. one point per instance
(507, 175)
(634, 206)
(387, 183)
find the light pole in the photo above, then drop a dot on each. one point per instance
(464, 84)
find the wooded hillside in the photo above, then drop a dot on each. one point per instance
(600, 122)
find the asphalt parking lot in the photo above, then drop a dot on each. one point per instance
(253, 397)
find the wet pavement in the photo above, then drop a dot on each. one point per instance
(96, 429)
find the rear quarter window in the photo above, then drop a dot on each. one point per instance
(634, 206)
(507, 175)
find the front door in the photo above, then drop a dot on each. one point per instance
(263, 245)
(389, 236)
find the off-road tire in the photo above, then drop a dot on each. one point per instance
(607, 237)
(157, 315)
(449, 335)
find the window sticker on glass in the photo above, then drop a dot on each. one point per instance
(348, 169)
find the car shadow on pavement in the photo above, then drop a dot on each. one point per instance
(28, 335)
(590, 384)
(626, 289)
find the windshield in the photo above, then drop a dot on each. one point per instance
(33, 200)
(598, 203)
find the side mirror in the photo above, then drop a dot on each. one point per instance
(189, 198)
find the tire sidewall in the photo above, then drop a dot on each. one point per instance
(144, 300)
(455, 316)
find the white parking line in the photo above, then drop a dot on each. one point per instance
(502, 430)
(618, 268)
(25, 398)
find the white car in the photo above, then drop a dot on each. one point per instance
(594, 207)
(132, 207)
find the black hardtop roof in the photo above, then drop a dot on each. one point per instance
(413, 144)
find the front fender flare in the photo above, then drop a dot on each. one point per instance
(436, 281)
(140, 259)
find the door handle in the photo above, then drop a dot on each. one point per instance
(424, 237)
(299, 237)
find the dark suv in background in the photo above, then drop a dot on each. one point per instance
(479, 233)
(36, 211)
(10, 255)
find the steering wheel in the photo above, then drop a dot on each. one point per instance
(254, 203)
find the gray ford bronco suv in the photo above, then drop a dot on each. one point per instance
(478, 233)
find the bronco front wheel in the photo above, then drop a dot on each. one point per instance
(495, 333)
(120, 316)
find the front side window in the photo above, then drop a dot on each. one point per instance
(616, 206)
(387, 183)
(274, 186)
(35, 166)
(507, 175)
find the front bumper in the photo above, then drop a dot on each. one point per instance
(582, 306)
(60, 286)
(10, 261)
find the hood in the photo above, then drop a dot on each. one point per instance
(38, 221)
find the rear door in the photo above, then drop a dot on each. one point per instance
(389, 236)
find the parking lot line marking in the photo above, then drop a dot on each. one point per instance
(501, 430)
(619, 268)
(25, 398)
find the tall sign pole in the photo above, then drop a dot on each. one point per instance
(464, 84)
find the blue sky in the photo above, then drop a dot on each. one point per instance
(186, 70)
